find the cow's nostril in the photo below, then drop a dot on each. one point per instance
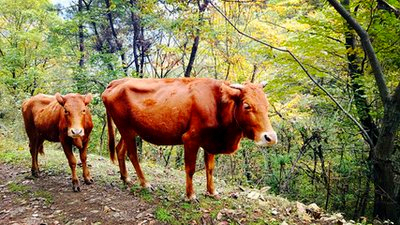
(267, 138)
(76, 131)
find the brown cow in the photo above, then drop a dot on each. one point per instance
(64, 119)
(196, 112)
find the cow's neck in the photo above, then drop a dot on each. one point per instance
(230, 129)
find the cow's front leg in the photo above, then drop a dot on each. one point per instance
(83, 155)
(67, 146)
(209, 164)
(191, 149)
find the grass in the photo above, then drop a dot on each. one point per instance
(14, 187)
(46, 195)
(163, 215)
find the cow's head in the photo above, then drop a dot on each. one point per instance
(74, 111)
(251, 112)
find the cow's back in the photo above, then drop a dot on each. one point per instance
(41, 116)
(160, 110)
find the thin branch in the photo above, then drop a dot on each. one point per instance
(365, 134)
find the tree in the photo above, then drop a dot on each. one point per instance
(387, 193)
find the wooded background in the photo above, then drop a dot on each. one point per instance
(335, 97)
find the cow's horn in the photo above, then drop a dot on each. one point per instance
(237, 86)
(263, 83)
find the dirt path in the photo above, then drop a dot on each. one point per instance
(50, 200)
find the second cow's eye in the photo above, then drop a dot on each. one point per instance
(246, 106)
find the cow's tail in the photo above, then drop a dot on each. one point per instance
(111, 138)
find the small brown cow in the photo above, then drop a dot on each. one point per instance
(58, 118)
(195, 112)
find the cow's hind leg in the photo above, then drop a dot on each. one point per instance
(121, 155)
(67, 146)
(209, 164)
(83, 155)
(35, 146)
(133, 156)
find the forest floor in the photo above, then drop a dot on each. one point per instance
(49, 199)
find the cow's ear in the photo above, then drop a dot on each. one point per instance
(88, 99)
(230, 92)
(60, 99)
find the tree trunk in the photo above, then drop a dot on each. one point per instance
(196, 41)
(136, 35)
(387, 195)
(355, 73)
(81, 36)
(193, 54)
(115, 35)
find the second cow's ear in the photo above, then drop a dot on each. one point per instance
(230, 93)
(60, 99)
(88, 98)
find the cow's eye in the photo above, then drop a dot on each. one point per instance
(66, 112)
(246, 106)
(84, 111)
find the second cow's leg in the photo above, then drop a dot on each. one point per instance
(67, 146)
(209, 164)
(83, 155)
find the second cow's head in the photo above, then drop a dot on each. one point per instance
(74, 112)
(251, 111)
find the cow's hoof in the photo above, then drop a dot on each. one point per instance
(192, 199)
(76, 188)
(215, 196)
(35, 173)
(89, 181)
(127, 181)
(148, 187)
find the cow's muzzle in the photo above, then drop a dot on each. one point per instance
(74, 133)
(268, 138)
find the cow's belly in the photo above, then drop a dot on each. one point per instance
(53, 137)
(160, 132)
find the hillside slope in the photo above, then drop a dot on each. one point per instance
(50, 200)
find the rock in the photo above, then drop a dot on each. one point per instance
(219, 216)
(106, 209)
(274, 212)
(253, 195)
(314, 210)
(265, 189)
(301, 208)
(58, 211)
(234, 195)
(284, 223)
